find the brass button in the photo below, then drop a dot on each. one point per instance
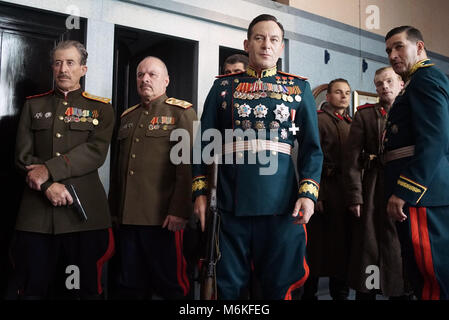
(240, 154)
(61, 118)
(131, 172)
(273, 153)
(133, 156)
(58, 135)
(146, 113)
(65, 103)
(141, 125)
(276, 139)
(237, 122)
(137, 140)
(57, 154)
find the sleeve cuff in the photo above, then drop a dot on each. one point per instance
(409, 190)
(308, 188)
(199, 186)
(46, 185)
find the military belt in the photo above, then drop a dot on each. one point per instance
(257, 145)
(399, 153)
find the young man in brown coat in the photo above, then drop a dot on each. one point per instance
(329, 228)
(375, 241)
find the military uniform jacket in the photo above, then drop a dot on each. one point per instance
(328, 232)
(70, 135)
(272, 104)
(420, 117)
(148, 185)
(374, 236)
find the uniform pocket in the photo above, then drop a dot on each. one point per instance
(123, 134)
(157, 133)
(41, 124)
(81, 126)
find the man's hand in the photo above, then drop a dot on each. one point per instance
(394, 208)
(58, 195)
(355, 210)
(304, 208)
(199, 209)
(174, 223)
(37, 175)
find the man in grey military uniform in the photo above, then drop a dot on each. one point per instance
(62, 139)
(151, 193)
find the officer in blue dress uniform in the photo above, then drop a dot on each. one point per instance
(262, 213)
(416, 152)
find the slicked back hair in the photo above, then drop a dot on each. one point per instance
(68, 44)
(264, 17)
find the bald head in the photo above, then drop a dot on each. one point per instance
(152, 79)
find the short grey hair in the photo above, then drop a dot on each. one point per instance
(68, 44)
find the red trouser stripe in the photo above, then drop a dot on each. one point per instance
(108, 254)
(181, 264)
(298, 284)
(423, 253)
(434, 293)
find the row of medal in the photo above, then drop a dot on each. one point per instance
(259, 89)
(281, 113)
(161, 123)
(81, 115)
(260, 125)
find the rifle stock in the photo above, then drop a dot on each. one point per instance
(208, 290)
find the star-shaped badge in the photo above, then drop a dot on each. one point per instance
(281, 112)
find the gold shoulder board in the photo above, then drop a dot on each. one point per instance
(179, 103)
(96, 98)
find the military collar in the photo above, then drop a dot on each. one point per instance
(67, 95)
(420, 64)
(382, 110)
(153, 102)
(331, 111)
(263, 73)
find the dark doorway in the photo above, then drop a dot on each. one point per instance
(180, 56)
(26, 38)
(224, 53)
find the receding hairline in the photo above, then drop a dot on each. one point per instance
(383, 70)
(162, 63)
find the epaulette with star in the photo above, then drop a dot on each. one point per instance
(129, 110)
(229, 74)
(292, 75)
(96, 98)
(40, 95)
(178, 103)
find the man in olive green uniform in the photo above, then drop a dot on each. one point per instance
(375, 241)
(63, 138)
(328, 232)
(151, 192)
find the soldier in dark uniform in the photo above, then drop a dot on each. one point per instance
(235, 63)
(374, 240)
(416, 147)
(150, 191)
(63, 138)
(262, 214)
(329, 228)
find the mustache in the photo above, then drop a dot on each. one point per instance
(63, 76)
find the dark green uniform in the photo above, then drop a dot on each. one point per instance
(71, 136)
(417, 170)
(255, 208)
